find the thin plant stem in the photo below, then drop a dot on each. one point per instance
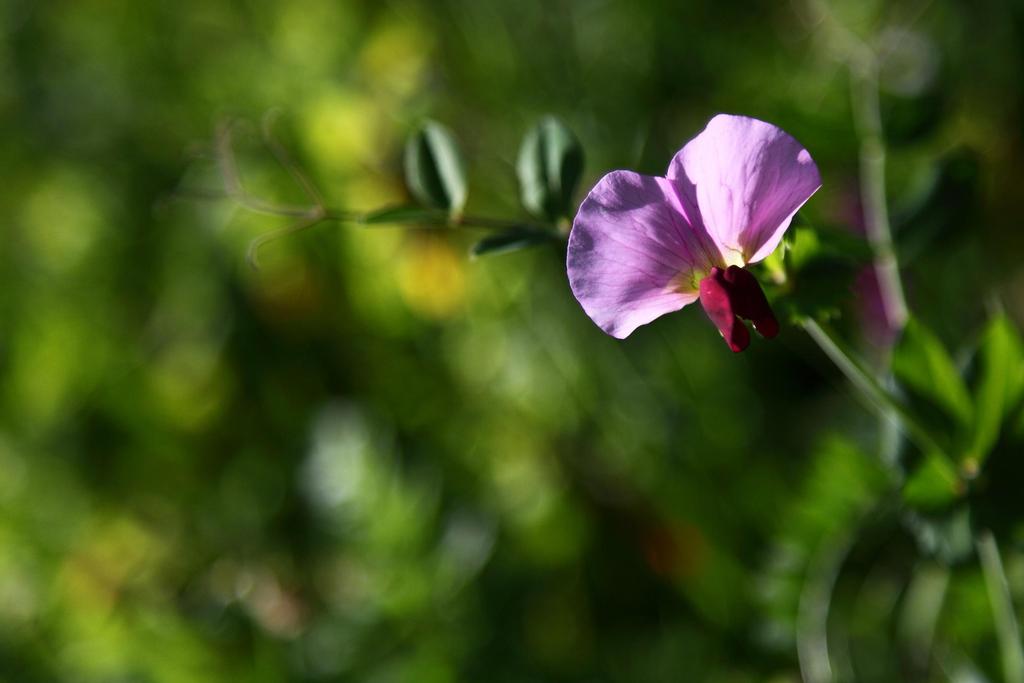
(887, 406)
(868, 120)
(285, 159)
(234, 188)
(316, 215)
(862, 62)
(863, 66)
(1007, 629)
(486, 223)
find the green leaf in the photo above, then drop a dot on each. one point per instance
(775, 263)
(804, 246)
(999, 385)
(549, 168)
(512, 239)
(934, 485)
(924, 369)
(404, 214)
(433, 169)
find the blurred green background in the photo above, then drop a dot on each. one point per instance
(374, 459)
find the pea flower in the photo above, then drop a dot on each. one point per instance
(643, 246)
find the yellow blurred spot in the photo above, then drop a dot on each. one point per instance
(56, 354)
(970, 467)
(480, 358)
(61, 219)
(395, 58)
(369, 257)
(367, 191)
(432, 278)
(342, 131)
(115, 554)
(188, 384)
(313, 34)
(524, 483)
(20, 587)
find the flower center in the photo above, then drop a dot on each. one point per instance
(732, 295)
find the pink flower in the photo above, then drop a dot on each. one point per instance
(643, 246)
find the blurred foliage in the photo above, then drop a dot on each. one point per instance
(374, 459)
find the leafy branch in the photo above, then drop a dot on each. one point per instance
(550, 164)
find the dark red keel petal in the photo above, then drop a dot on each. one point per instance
(750, 302)
(732, 295)
(718, 302)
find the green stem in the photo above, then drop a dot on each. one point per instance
(315, 215)
(884, 403)
(868, 121)
(253, 253)
(1007, 629)
(862, 62)
(487, 223)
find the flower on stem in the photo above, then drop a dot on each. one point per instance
(643, 246)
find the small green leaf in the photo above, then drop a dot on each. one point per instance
(804, 245)
(512, 239)
(924, 369)
(774, 264)
(404, 214)
(933, 486)
(999, 385)
(433, 168)
(549, 168)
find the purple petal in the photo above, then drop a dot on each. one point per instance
(748, 179)
(633, 255)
